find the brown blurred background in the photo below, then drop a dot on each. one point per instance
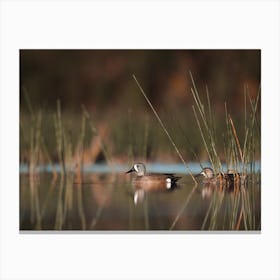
(102, 81)
(102, 78)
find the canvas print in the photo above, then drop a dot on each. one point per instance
(140, 140)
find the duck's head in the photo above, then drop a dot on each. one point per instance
(207, 172)
(139, 168)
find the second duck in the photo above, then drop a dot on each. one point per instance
(229, 179)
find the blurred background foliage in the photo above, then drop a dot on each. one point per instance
(102, 81)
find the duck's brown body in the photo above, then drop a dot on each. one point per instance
(155, 182)
(228, 180)
(152, 182)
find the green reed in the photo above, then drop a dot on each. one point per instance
(70, 158)
(204, 119)
(237, 156)
(164, 128)
(95, 132)
(33, 139)
(59, 135)
(240, 210)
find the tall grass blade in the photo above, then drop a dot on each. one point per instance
(164, 128)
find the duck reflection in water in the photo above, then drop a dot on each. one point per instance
(150, 182)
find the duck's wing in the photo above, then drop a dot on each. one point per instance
(172, 177)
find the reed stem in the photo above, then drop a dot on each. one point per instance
(164, 129)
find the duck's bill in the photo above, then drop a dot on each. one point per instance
(129, 171)
(199, 174)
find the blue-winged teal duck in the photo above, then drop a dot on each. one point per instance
(229, 179)
(151, 181)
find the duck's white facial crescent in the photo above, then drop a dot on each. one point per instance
(135, 167)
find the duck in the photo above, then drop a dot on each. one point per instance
(152, 181)
(229, 179)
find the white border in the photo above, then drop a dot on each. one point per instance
(153, 24)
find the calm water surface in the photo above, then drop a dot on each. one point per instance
(108, 201)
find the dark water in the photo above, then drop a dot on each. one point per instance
(110, 202)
